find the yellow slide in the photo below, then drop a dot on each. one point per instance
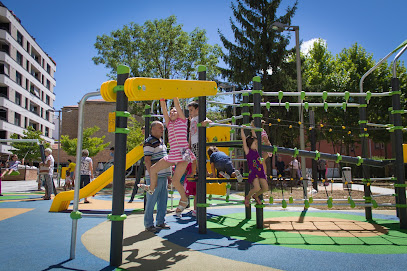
(62, 200)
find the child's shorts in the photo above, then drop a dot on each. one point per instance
(190, 188)
(227, 167)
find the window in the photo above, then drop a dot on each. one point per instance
(18, 78)
(27, 84)
(19, 58)
(19, 38)
(18, 98)
(17, 119)
(48, 69)
(47, 115)
(48, 84)
(42, 112)
(26, 104)
(2, 68)
(25, 122)
(28, 47)
(27, 65)
(46, 131)
(47, 99)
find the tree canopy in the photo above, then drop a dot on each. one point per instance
(31, 151)
(93, 144)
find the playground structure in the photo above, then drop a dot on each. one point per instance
(137, 89)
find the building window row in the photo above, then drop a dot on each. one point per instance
(33, 71)
(34, 54)
(33, 89)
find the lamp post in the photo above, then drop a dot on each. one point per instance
(59, 143)
(280, 27)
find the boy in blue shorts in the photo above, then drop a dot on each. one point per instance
(223, 164)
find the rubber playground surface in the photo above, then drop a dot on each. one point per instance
(292, 239)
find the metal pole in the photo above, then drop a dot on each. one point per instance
(119, 173)
(313, 137)
(246, 121)
(78, 170)
(257, 122)
(59, 148)
(201, 186)
(364, 142)
(301, 111)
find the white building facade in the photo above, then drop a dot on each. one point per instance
(26, 82)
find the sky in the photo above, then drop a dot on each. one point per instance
(67, 30)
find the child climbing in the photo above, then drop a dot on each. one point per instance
(223, 164)
(180, 154)
(13, 165)
(264, 141)
(193, 108)
(257, 177)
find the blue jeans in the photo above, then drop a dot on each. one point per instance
(160, 197)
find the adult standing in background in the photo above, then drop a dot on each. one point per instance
(155, 149)
(86, 170)
(49, 183)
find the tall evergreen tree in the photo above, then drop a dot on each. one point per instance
(258, 47)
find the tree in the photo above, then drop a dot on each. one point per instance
(93, 144)
(135, 136)
(259, 48)
(31, 151)
(158, 49)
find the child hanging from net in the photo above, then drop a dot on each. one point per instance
(264, 141)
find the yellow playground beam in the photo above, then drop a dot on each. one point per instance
(146, 89)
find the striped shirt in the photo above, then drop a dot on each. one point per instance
(155, 148)
(177, 137)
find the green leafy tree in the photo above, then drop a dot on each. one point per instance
(135, 136)
(158, 49)
(31, 151)
(93, 144)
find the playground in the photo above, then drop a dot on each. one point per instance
(292, 239)
(292, 228)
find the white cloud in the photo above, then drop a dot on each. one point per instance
(307, 45)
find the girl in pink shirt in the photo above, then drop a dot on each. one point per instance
(179, 155)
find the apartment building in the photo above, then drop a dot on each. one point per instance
(26, 81)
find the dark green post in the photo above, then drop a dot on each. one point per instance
(313, 138)
(117, 217)
(257, 122)
(400, 184)
(366, 169)
(201, 186)
(246, 121)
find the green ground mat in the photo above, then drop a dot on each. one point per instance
(234, 225)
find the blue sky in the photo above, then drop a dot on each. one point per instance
(67, 30)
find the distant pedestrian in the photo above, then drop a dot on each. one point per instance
(86, 170)
(47, 171)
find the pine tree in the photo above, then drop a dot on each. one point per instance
(258, 47)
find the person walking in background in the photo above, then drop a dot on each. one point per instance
(86, 170)
(48, 172)
(280, 165)
(71, 168)
(295, 171)
(154, 150)
(321, 166)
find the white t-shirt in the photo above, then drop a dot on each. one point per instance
(193, 130)
(51, 164)
(294, 164)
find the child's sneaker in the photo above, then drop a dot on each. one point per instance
(146, 188)
(193, 212)
(224, 174)
(239, 176)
